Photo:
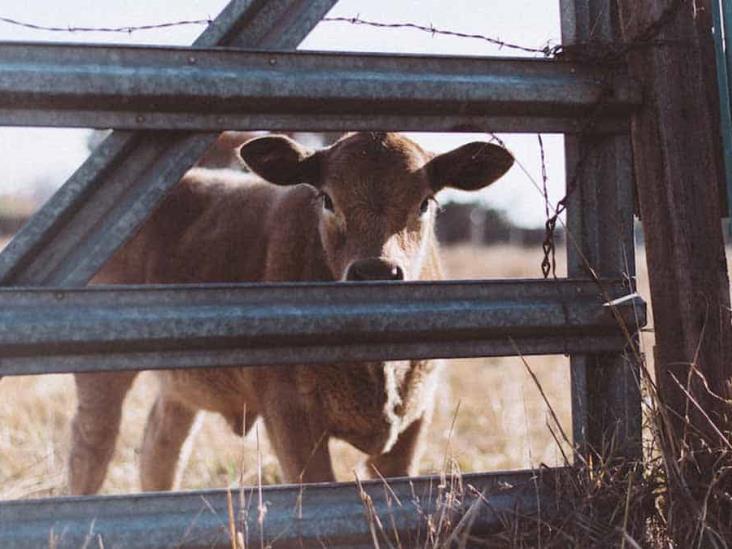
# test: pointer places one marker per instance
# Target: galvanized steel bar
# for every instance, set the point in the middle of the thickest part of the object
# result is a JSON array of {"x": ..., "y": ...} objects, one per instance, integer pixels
[
  {"x": 316, "y": 515},
  {"x": 605, "y": 386},
  {"x": 265, "y": 24},
  {"x": 135, "y": 87},
  {"x": 113, "y": 192},
  {"x": 146, "y": 327}
]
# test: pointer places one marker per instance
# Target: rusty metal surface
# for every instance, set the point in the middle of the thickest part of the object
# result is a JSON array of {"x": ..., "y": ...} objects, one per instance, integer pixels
[
  {"x": 318, "y": 515},
  {"x": 141, "y": 327}
]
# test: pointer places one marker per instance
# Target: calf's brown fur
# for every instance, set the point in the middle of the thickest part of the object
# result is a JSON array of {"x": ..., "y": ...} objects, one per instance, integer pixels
[{"x": 358, "y": 210}]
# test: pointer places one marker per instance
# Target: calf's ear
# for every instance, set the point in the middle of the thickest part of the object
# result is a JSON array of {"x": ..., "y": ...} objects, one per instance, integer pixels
[
  {"x": 470, "y": 167},
  {"x": 280, "y": 160}
]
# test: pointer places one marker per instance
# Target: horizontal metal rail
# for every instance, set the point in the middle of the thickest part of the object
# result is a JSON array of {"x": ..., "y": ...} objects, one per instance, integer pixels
[
  {"x": 195, "y": 89},
  {"x": 146, "y": 327},
  {"x": 319, "y": 515}
]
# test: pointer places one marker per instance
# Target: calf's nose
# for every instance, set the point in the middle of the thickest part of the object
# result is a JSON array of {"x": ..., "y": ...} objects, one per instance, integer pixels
[{"x": 374, "y": 269}]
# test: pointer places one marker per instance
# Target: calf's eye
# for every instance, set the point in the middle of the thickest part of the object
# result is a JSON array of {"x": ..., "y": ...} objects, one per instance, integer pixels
[
  {"x": 327, "y": 202},
  {"x": 424, "y": 206}
]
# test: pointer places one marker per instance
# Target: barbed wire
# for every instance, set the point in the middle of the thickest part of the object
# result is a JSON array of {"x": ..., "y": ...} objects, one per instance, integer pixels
[
  {"x": 544, "y": 176},
  {"x": 547, "y": 51},
  {"x": 593, "y": 51},
  {"x": 588, "y": 51},
  {"x": 549, "y": 262},
  {"x": 128, "y": 29}
]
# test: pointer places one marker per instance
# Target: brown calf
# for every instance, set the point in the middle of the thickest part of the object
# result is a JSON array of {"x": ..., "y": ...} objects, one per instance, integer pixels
[{"x": 361, "y": 209}]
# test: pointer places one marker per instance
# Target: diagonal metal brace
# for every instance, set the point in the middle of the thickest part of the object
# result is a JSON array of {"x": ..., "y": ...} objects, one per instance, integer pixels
[{"x": 107, "y": 199}]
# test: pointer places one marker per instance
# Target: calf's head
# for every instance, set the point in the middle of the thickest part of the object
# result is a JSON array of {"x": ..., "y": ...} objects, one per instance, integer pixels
[{"x": 375, "y": 194}]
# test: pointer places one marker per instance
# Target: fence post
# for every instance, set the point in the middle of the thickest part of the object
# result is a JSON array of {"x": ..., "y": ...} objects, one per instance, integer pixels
[
  {"x": 675, "y": 143},
  {"x": 606, "y": 411},
  {"x": 675, "y": 137}
]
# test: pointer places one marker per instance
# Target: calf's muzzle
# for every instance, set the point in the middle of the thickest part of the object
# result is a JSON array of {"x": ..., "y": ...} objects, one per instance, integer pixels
[{"x": 374, "y": 269}]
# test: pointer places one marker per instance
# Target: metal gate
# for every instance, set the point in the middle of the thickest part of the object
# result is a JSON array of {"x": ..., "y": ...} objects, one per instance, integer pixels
[{"x": 49, "y": 323}]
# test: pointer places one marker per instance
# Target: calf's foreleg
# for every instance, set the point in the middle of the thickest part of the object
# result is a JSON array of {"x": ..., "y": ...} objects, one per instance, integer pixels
[
  {"x": 402, "y": 460},
  {"x": 298, "y": 437},
  {"x": 166, "y": 430},
  {"x": 95, "y": 427}
]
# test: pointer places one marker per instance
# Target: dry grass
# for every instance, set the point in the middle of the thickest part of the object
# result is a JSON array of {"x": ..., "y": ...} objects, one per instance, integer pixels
[{"x": 500, "y": 424}]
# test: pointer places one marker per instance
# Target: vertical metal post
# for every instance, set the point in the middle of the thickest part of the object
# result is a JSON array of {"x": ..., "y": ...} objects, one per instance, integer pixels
[{"x": 606, "y": 411}]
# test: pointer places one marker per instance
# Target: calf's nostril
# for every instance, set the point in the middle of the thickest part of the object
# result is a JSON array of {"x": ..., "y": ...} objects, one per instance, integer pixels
[
  {"x": 374, "y": 269},
  {"x": 353, "y": 273}
]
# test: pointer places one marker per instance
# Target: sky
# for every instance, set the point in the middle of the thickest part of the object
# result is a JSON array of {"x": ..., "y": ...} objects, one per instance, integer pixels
[{"x": 33, "y": 155}]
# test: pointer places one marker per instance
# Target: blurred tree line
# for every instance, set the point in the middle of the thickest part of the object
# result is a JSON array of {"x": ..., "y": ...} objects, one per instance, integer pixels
[{"x": 459, "y": 222}]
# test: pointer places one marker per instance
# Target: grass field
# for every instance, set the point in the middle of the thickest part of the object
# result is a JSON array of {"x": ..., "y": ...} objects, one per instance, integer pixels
[{"x": 490, "y": 415}]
